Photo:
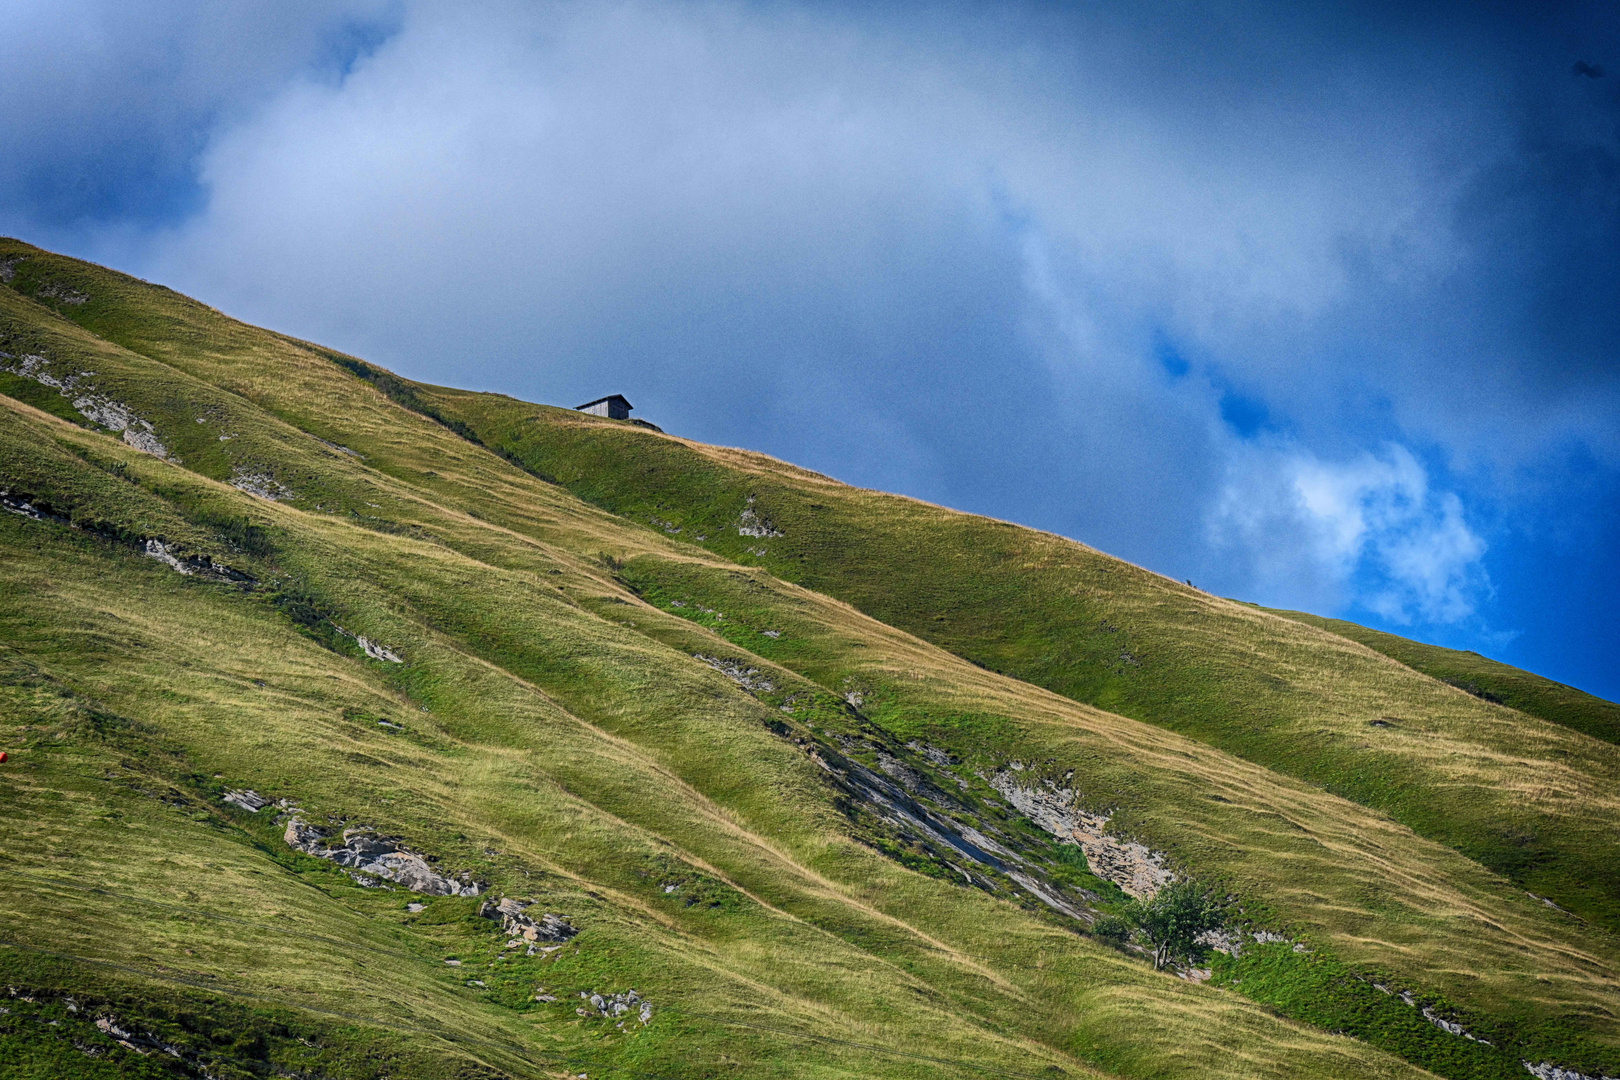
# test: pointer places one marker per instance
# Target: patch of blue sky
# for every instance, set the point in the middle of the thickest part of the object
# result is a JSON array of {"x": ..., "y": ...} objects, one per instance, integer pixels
[
  {"x": 1245, "y": 415},
  {"x": 1169, "y": 356}
]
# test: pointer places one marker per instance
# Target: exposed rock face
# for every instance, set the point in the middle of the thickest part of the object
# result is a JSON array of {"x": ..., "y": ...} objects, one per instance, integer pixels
[
  {"x": 262, "y": 485},
  {"x": 1222, "y": 940},
  {"x": 900, "y": 797},
  {"x": 21, "y": 504},
  {"x": 371, "y": 648},
  {"x": 1452, "y": 1026},
  {"x": 749, "y": 678},
  {"x": 97, "y": 408},
  {"x": 363, "y": 850},
  {"x": 116, "y": 416},
  {"x": 377, "y": 651},
  {"x": 201, "y": 565},
  {"x": 1548, "y": 1071},
  {"x": 750, "y": 523},
  {"x": 65, "y": 293},
  {"x": 142, "y": 1042},
  {"x": 247, "y": 799},
  {"x": 1133, "y": 867},
  {"x": 515, "y": 921},
  {"x": 154, "y": 547},
  {"x": 157, "y": 549}
]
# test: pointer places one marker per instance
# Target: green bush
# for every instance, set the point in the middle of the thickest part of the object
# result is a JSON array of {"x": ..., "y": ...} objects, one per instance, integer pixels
[{"x": 1174, "y": 918}]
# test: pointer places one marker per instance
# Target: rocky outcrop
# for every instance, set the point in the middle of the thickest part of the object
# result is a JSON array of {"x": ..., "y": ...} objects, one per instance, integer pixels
[
  {"x": 1452, "y": 1026},
  {"x": 23, "y": 505},
  {"x": 371, "y": 648},
  {"x": 130, "y": 1039},
  {"x": 515, "y": 920},
  {"x": 153, "y": 547},
  {"x": 923, "y": 812},
  {"x": 246, "y": 799},
  {"x": 99, "y": 409},
  {"x": 751, "y": 523},
  {"x": 613, "y": 1006},
  {"x": 262, "y": 485},
  {"x": 1428, "y": 1011},
  {"x": 361, "y": 849},
  {"x": 67, "y": 294},
  {"x": 749, "y": 678},
  {"x": 123, "y": 1032},
  {"x": 200, "y": 565},
  {"x": 1136, "y": 869},
  {"x": 1548, "y": 1071}
]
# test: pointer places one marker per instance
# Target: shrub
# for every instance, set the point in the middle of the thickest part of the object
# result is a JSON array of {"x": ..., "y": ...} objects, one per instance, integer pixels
[{"x": 1174, "y": 918}]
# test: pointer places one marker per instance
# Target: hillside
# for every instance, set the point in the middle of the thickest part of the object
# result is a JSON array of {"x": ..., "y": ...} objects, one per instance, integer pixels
[
  {"x": 1522, "y": 798},
  {"x": 807, "y": 780},
  {"x": 1486, "y": 678}
]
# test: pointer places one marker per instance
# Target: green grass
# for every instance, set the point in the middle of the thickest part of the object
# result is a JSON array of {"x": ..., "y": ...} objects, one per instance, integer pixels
[
  {"x": 119, "y": 661},
  {"x": 551, "y": 732},
  {"x": 1486, "y": 679},
  {"x": 1532, "y": 801},
  {"x": 1329, "y": 994}
]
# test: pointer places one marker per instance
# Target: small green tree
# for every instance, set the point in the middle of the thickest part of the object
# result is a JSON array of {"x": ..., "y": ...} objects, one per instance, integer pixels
[{"x": 1174, "y": 918}]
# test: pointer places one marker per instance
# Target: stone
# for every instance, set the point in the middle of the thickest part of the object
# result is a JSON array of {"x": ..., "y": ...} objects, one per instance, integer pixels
[
  {"x": 363, "y": 850},
  {"x": 247, "y": 799},
  {"x": 514, "y": 919},
  {"x": 613, "y": 1006}
]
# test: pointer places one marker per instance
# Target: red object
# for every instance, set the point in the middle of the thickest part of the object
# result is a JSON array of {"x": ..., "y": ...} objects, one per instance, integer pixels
[{"x": 2, "y": 757}]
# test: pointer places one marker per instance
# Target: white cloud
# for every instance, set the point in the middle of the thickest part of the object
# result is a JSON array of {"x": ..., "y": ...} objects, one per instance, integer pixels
[
  {"x": 1368, "y": 530},
  {"x": 762, "y": 219},
  {"x": 116, "y": 101},
  {"x": 926, "y": 251}
]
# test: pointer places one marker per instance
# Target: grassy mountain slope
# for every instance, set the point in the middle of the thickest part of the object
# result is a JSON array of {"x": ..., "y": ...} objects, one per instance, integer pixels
[
  {"x": 1534, "y": 801},
  {"x": 1485, "y": 678},
  {"x": 557, "y": 727}
]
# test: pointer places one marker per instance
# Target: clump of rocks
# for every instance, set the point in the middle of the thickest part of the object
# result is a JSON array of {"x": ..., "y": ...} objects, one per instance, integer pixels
[
  {"x": 749, "y": 678},
  {"x": 513, "y": 916},
  {"x": 140, "y": 1042},
  {"x": 614, "y": 1006},
  {"x": 360, "y": 848},
  {"x": 1548, "y": 1071},
  {"x": 246, "y": 799}
]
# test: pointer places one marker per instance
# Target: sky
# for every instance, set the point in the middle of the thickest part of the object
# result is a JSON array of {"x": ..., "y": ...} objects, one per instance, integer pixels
[{"x": 1313, "y": 305}]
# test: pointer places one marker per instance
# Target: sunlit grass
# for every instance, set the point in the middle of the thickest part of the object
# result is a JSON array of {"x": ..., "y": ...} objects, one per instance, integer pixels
[{"x": 556, "y": 737}]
